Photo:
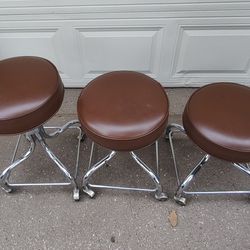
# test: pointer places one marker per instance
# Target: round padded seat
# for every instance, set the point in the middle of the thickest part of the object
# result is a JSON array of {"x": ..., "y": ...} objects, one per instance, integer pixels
[
  {"x": 123, "y": 110},
  {"x": 217, "y": 119},
  {"x": 31, "y": 91}
]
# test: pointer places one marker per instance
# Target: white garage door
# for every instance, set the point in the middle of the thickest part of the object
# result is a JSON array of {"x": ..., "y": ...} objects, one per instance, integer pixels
[{"x": 178, "y": 42}]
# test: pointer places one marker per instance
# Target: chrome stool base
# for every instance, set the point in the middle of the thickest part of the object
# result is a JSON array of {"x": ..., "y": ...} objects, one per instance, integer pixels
[
  {"x": 39, "y": 135},
  {"x": 159, "y": 194},
  {"x": 182, "y": 186}
]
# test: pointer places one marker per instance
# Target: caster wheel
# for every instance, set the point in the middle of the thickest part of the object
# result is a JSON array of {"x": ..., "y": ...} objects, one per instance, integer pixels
[
  {"x": 180, "y": 200},
  {"x": 76, "y": 194},
  {"x": 6, "y": 187},
  {"x": 7, "y": 190},
  {"x": 89, "y": 192},
  {"x": 161, "y": 196}
]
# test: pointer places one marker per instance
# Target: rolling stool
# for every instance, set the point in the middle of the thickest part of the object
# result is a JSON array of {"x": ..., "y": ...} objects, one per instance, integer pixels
[
  {"x": 123, "y": 111},
  {"x": 31, "y": 92},
  {"x": 217, "y": 119}
]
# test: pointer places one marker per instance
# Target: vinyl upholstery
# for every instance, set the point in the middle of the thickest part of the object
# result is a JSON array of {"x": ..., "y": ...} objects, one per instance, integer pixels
[
  {"x": 217, "y": 119},
  {"x": 123, "y": 110},
  {"x": 31, "y": 91}
]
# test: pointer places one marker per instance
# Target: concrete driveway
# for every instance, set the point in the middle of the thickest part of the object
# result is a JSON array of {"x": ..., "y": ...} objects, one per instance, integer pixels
[{"x": 48, "y": 218}]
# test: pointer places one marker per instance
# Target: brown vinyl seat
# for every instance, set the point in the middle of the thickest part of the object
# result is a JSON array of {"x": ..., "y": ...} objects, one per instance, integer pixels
[
  {"x": 123, "y": 110},
  {"x": 31, "y": 92},
  {"x": 217, "y": 119}
]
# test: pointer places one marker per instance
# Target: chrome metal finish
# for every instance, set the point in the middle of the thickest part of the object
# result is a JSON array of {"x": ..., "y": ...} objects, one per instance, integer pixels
[
  {"x": 88, "y": 191},
  {"x": 16, "y": 148},
  {"x": 175, "y": 128},
  {"x": 91, "y": 171},
  {"x": 170, "y": 130},
  {"x": 122, "y": 188},
  {"x": 38, "y": 135},
  {"x": 159, "y": 194},
  {"x": 180, "y": 200},
  {"x": 4, "y": 177},
  {"x": 182, "y": 186},
  {"x": 217, "y": 192},
  {"x": 80, "y": 136},
  {"x": 91, "y": 154},
  {"x": 157, "y": 158},
  {"x": 39, "y": 184},
  {"x": 76, "y": 194},
  {"x": 58, "y": 163},
  {"x": 241, "y": 167},
  {"x": 59, "y": 130}
]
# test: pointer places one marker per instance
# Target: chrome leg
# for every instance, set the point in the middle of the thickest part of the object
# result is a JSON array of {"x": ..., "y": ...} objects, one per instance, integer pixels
[
  {"x": 39, "y": 135},
  {"x": 171, "y": 129},
  {"x": 15, "y": 150},
  {"x": 157, "y": 158},
  {"x": 92, "y": 170},
  {"x": 14, "y": 155},
  {"x": 184, "y": 185},
  {"x": 59, "y": 130},
  {"x": 6, "y": 173},
  {"x": 174, "y": 158},
  {"x": 242, "y": 167},
  {"x": 174, "y": 127},
  {"x": 61, "y": 166},
  {"x": 80, "y": 138},
  {"x": 159, "y": 194},
  {"x": 91, "y": 154}
]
